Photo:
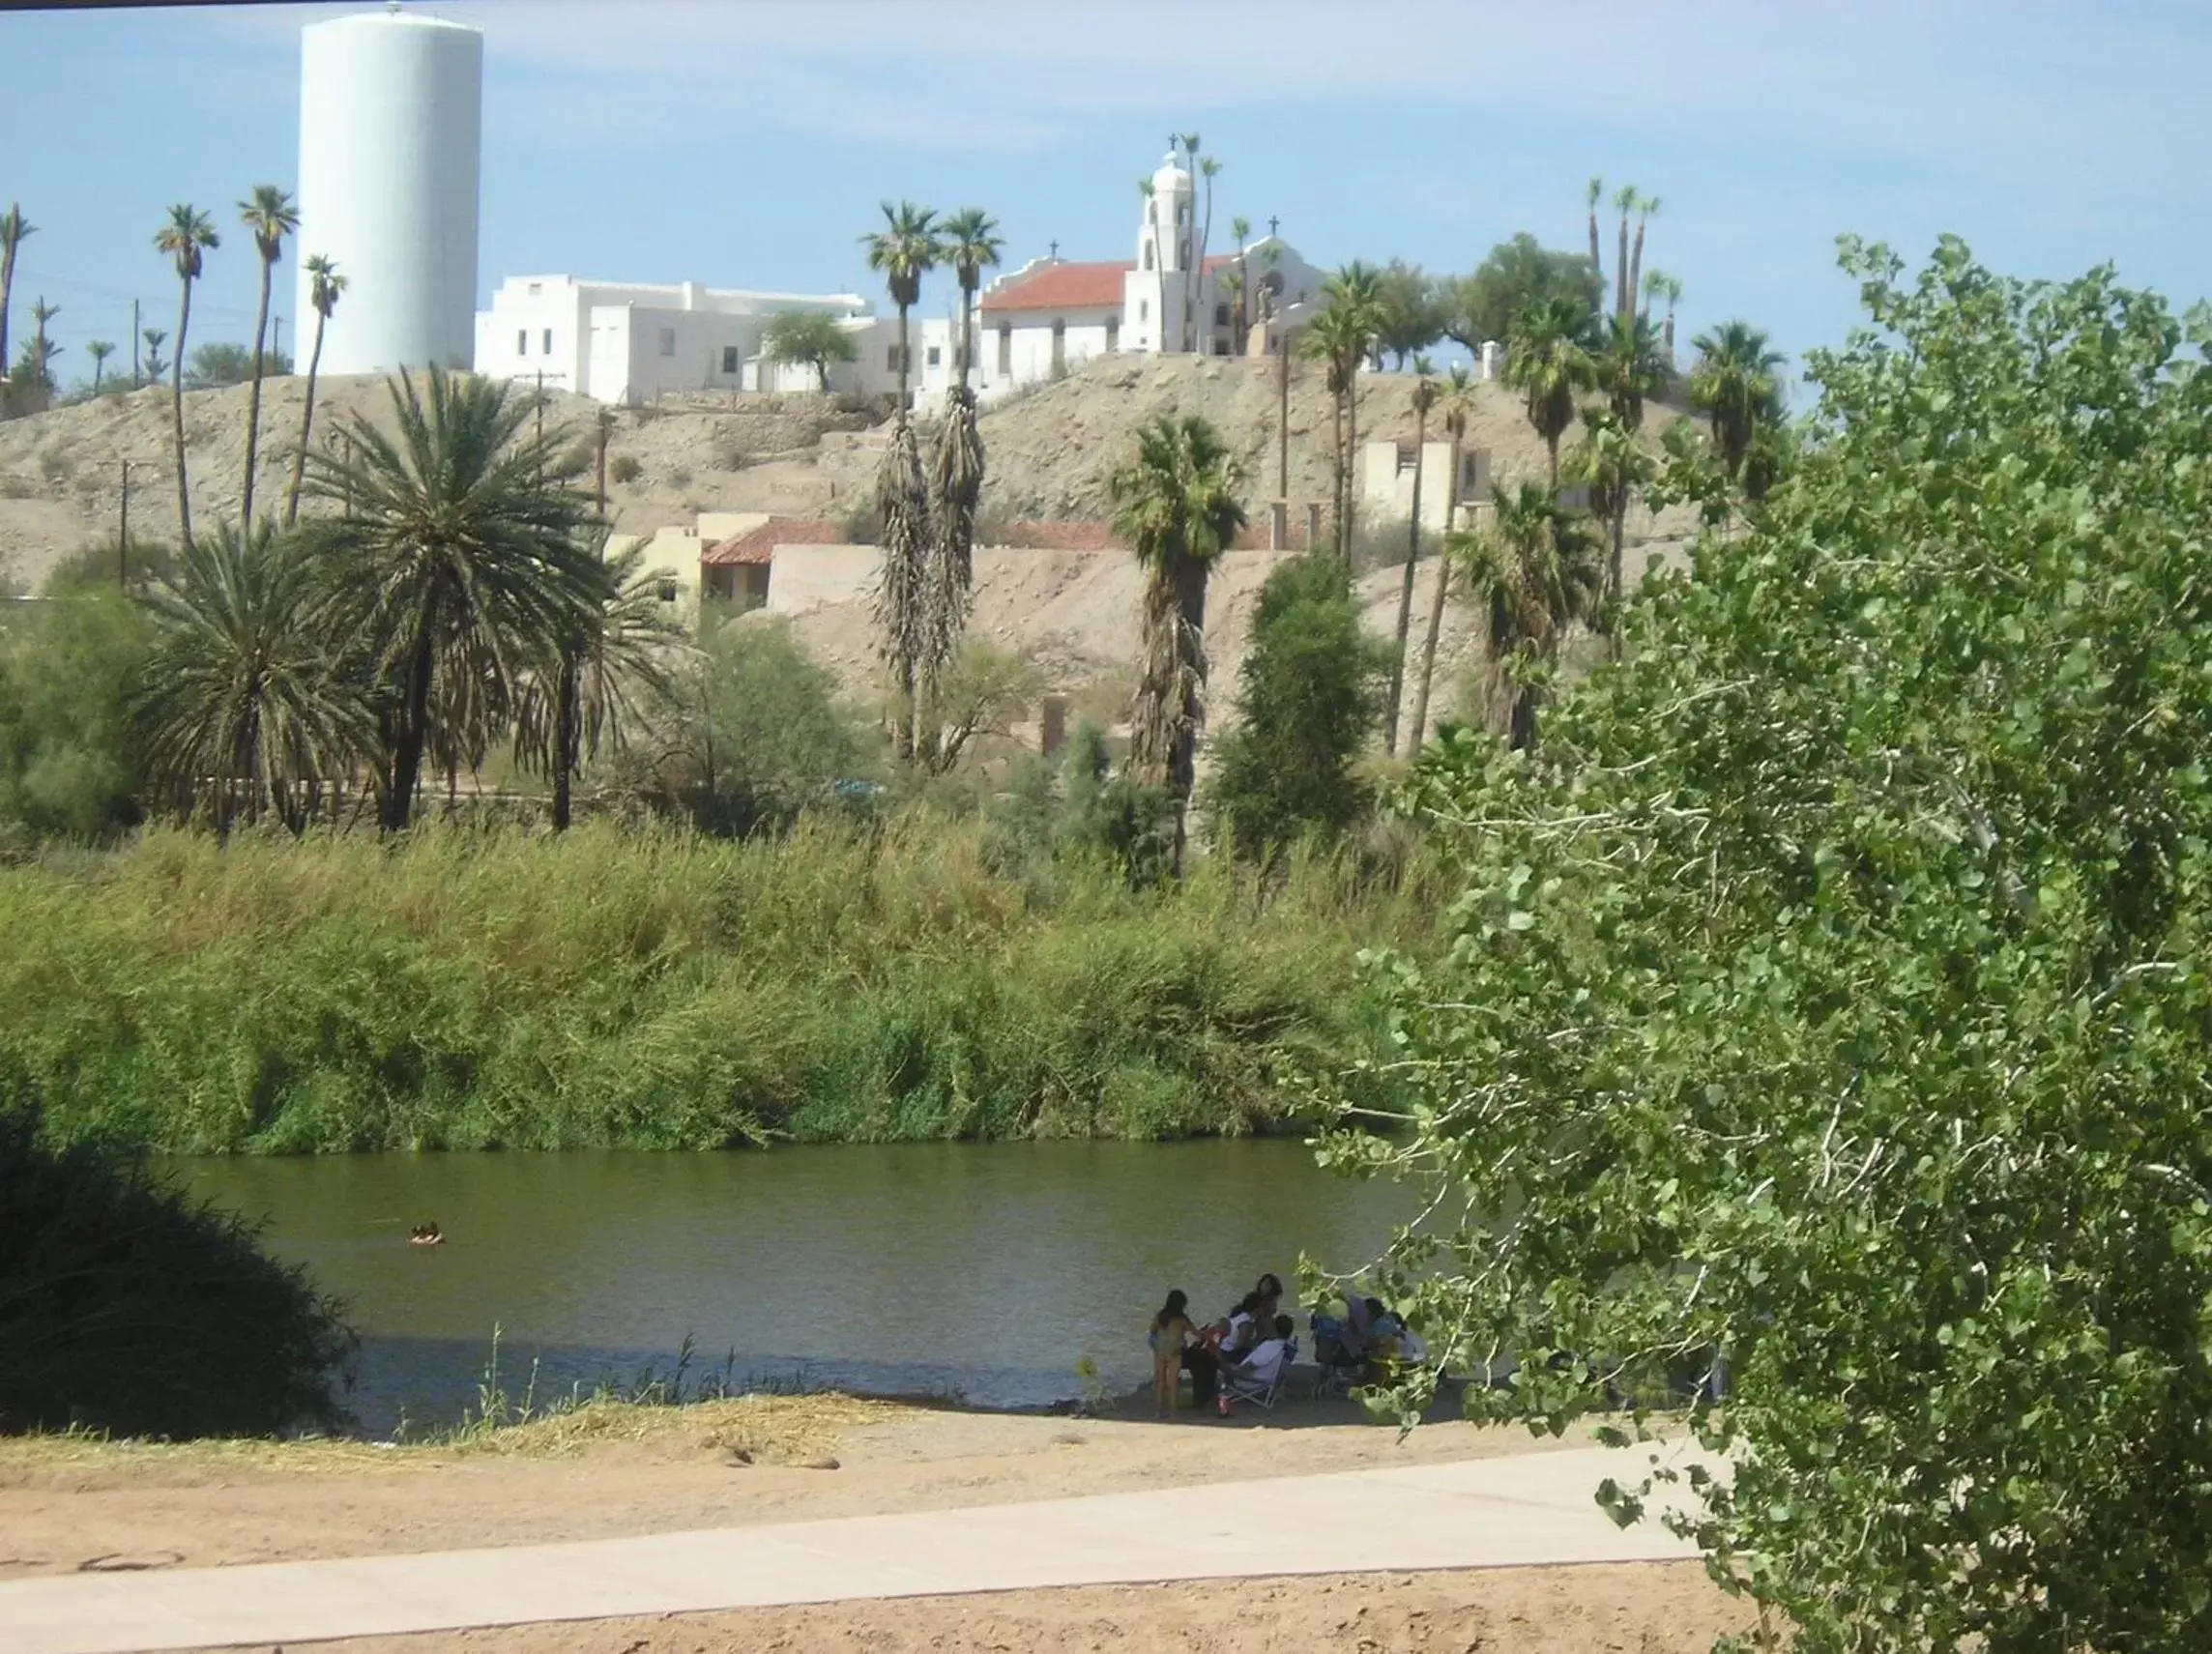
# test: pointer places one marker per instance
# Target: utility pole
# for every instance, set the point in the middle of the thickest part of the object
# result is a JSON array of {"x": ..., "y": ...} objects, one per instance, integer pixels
[
  {"x": 123, "y": 527},
  {"x": 606, "y": 424},
  {"x": 133, "y": 344},
  {"x": 276, "y": 336}
]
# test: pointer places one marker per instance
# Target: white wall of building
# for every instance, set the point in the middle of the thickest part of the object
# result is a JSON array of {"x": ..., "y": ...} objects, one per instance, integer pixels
[
  {"x": 1386, "y": 481},
  {"x": 391, "y": 129},
  {"x": 626, "y": 342}
]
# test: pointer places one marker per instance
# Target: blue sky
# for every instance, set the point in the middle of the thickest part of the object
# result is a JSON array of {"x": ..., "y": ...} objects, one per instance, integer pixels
[{"x": 748, "y": 144}]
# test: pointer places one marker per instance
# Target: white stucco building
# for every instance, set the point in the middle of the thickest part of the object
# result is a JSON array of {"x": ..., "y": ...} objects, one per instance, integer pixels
[{"x": 628, "y": 342}]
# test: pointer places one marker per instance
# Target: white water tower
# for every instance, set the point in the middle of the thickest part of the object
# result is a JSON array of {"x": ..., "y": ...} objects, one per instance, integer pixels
[{"x": 391, "y": 131}]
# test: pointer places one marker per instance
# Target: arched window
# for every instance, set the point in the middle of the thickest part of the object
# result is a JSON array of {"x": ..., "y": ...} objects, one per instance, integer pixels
[{"x": 1273, "y": 281}]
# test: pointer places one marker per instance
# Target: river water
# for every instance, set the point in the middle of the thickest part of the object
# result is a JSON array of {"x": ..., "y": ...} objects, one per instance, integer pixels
[{"x": 984, "y": 1272}]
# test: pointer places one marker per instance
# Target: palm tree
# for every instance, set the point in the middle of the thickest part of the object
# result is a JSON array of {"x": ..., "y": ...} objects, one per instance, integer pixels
[
  {"x": 154, "y": 365},
  {"x": 904, "y": 250},
  {"x": 1624, "y": 200},
  {"x": 1537, "y": 570},
  {"x": 1240, "y": 230},
  {"x": 1424, "y": 399},
  {"x": 1612, "y": 464},
  {"x": 601, "y": 680},
  {"x": 1175, "y": 502},
  {"x": 1333, "y": 340},
  {"x": 1457, "y": 404},
  {"x": 1735, "y": 387},
  {"x": 13, "y": 227},
  {"x": 1208, "y": 169},
  {"x": 1628, "y": 368},
  {"x": 969, "y": 242},
  {"x": 1647, "y": 209},
  {"x": 1592, "y": 198},
  {"x": 1353, "y": 293},
  {"x": 463, "y": 560},
  {"x": 99, "y": 350},
  {"x": 42, "y": 351},
  {"x": 1547, "y": 362},
  {"x": 324, "y": 286},
  {"x": 242, "y": 705},
  {"x": 270, "y": 214},
  {"x": 186, "y": 238},
  {"x": 1658, "y": 285}
]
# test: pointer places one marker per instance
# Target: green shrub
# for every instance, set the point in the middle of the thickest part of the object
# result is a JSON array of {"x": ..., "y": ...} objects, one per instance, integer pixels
[
  {"x": 625, "y": 468},
  {"x": 125, "y": 1308}
]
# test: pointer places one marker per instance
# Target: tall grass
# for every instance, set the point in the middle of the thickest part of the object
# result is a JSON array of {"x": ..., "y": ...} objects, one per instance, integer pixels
[{"x": 479, "y": 989}]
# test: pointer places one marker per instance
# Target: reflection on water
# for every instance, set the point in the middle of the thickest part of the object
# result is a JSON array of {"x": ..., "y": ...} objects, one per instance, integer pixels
[{"x": 981, "y": 1272}]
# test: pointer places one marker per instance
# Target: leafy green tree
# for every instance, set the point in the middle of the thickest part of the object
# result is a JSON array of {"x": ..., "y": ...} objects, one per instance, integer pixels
[
  {"x": 69, "y": 764},
  {"x": 220, "y": 363},
  {"x": 1516, "y": 276},
  {"x": 187, "y": 237},
  {"x": 462, "y": 560},
  {"x": 605, "y": 678},
  {"x": 1535, "y": 569},
  {"x": 245, "y": 702},
  {"x": 1735, "y": 385},
  {"x": 1175, "y": 503},
  {"x": 1548, "y": 363},
  {"x": 809, "y": 338},
  {"x": 1312, "y": 686},
  {"x": 324, "y": 285},
  {"x": 1410, "y": 313},
  {"x": 13, "y": 229},
  {"x": 1832, "y": 993},
  {"x": 271, "y": 214}
]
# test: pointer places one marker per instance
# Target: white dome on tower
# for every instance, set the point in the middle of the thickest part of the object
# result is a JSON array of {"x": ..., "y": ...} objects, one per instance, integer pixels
[{"x": 1171, "y": 176}]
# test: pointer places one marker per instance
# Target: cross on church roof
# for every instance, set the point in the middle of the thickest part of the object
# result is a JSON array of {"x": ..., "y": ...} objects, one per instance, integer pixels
[
  {"x": 1055, "y": 246},
  {"x": 1273, "y": 221}
]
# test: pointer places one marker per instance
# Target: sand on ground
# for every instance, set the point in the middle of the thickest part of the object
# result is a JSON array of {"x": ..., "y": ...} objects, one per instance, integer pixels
[{"x": 67, "y": 1505}]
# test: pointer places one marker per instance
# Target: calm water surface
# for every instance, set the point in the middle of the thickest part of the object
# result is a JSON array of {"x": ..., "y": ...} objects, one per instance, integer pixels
[{"x": 982, "y": 1272}]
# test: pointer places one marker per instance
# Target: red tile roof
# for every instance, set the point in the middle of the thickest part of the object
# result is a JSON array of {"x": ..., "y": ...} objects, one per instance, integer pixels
[
  {"x": 1068, "y": 286},
  {"x": 758, "y": 547}
]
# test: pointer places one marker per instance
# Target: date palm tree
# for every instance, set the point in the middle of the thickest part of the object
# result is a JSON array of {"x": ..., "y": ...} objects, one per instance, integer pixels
[
  {"x": 970, "y": 245},
  {"x": 1592, "y": 196},
  {"x": 271, "y": 214},
  {"x": 1537, "y": 570},
  {"x": 1627, "y": 367},
  {"x": 1455, "y": 404},
  {"x": 1624, "y": 201},
  {"x": 1735, "y": 385},
  {"x": 243, "y": 704},
  {"x": 1424, "y": 399},
  {"x": 1354, "y": 296},
  {"x": 600, "y": 681},
  {"x": 1175, "y": 503},
  {"x": 1659, "y": 286},
  {"x": 903, "y": 251},
  {"x": 14, "y": 228},
  {"x": 99, "y": 350},
  {"x": 1547, "y": 362},
  {"x": 969, "y": 242},
  {"x": 1647, "y": 209},
  {"x": 463, "y": 559},
  {"x": 324, "y": 287},
  {"x": 1333, "y": 338},
  {"x": 187, "y": 237},
  {"x": 1240, "y": 231}
]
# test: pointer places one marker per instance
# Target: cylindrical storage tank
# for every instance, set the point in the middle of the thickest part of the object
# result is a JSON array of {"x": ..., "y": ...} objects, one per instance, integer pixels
[{"x": 391, "y": 129}]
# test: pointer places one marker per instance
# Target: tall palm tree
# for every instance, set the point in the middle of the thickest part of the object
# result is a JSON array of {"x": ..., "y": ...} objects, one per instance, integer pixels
[
  {"x": 1647, "y": 209},
  {"x": 13, "y": 227},
  {"x": 242, "y": 705},
  {"x": 324, "y": 287},
  {"x": 463, "y": 558},
  {"x": 1175, "y": 502},
  {"x": 1614, "y": 466},
  {"x": 1335, "y": 339},
  {"x": 970, "y": 245},
  {"x": 601, "y": 680},
  {"x": 99, "y": 350},
  {"x": 1590, "y": 198},
  {"x": 271, "y": 214},
  {"x": 1240, "y": 230},
  {"x": 969, "y": 242},
  {"x": 1202, "y": 320},
  {"x": 1456, "y": 405},
  {"x": 1547, "y": 362},
  {"x": 187, "y": 237},
  {"x": 1624, "y": 200},
  {"x": 1627, "y": 367},
  {"x": 1354, "y": 293},
  {"x": 902, "y": 250},
  {"x": 1424, "y": 399},
  {"x": 1659, "y": 286},
  {"x": 1536, "y": 570},
  {"x": 1735, "y": 387}
]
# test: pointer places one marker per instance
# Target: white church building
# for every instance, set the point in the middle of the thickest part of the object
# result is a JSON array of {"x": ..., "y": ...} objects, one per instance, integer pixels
[{"x": 628, "y": 343}]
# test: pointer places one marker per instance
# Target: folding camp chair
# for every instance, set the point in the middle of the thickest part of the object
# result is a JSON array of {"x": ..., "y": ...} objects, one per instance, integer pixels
[{"x": 1239, "y": 1385}]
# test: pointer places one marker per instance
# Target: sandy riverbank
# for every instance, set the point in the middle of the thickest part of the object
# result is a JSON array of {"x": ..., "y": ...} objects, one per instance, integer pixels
[{"x": 67, "y": 1505}]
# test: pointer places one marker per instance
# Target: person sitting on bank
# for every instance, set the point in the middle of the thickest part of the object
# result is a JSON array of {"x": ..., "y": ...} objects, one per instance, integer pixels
[
  {"x": 1173, "y": 1340},
  {"x": 1241, "y": 1329},
  {"x": 1262, "y": 1363}
]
